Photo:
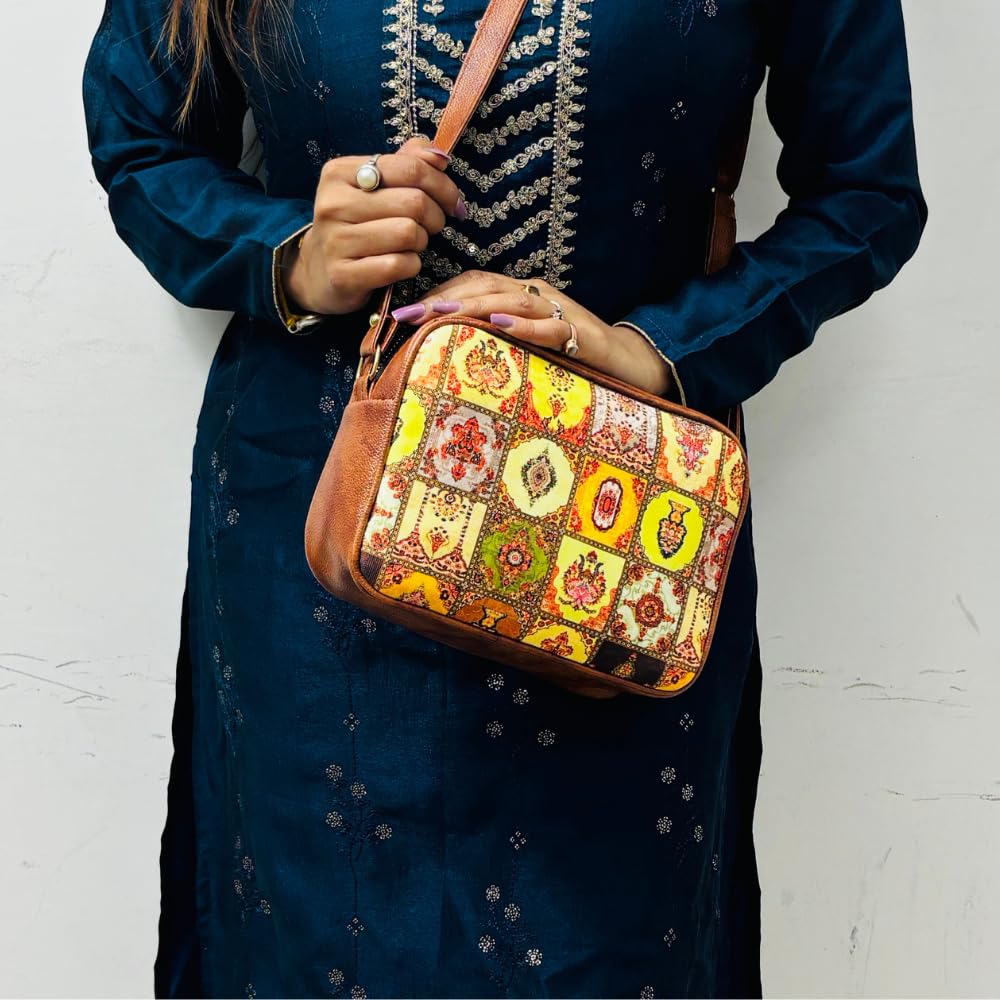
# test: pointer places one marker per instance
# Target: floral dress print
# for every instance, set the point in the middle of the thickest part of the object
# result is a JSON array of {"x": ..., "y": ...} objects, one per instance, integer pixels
[{"x": 354, "y": 810}]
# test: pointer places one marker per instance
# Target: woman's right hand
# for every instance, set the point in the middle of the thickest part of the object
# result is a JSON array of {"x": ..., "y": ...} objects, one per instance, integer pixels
[{"x": 363, "y": 240}]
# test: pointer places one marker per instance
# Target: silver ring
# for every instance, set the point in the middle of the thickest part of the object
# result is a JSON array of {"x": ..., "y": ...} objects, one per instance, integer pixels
[
  {"x": 557, "y": 312},
  {"x": 572, "y": 346},
  {"x": 368, "y": 176}
]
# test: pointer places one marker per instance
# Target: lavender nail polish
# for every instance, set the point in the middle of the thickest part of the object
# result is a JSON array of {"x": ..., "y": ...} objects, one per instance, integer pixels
[
  {"x": 409, "y": 314},
  {"x": 446, "y": 307},
  {"x": 461, "y": 212},
  {"x": 440, "y": 152},
  {"x": 502, "y": 320}
]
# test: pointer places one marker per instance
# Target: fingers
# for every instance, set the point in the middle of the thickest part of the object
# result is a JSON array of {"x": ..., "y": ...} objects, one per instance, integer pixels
[
  {"x": 550, "y": 333},
  {"x": 354, "y": 279},
  {"x": 482, "y": 306},
  {"x": 374, "y": 272},
  {"x": 379, "y": 236},
  {"x": 398, "y": 170},
  {"x": 421, "y": 147},
  {"x": 342, "y": 203},
  {"x": 483, "y": 294},
  {"x": 473, "y": 284}
]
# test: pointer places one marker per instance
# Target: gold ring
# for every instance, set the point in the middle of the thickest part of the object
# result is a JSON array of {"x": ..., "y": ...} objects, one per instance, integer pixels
[
  {"x": 557, "y": 312},
  {"x": 572, "y": 346},
  {"x": 531, "y": 289},
  {"x": 368, "y": 176}
]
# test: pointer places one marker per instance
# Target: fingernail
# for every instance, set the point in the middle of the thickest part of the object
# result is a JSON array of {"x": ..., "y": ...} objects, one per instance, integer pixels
[
  {"x": 446, "y": 307},
  {"x": 409, "y": 314},
  {"x": 461, "y": 212},
  {"x": 440, "y": 152},
  {"x": 502, "y": 320}
]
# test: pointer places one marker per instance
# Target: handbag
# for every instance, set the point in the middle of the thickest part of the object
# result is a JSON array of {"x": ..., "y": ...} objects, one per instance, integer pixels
[{"x": 516, "y": 504}]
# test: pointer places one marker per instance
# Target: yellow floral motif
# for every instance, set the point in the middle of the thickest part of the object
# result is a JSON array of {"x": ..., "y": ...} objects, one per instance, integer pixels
[
  {"x": 671, "y": 530},
  {"x": 733, "y": 480},
  {"x": 485, "y": 370},
  {"x": 409, "y": 428},
  {"x": 420, "y": 589},
  {"x": 561, "y": 640},
  {"x": 429, "y": 362},
  {"x": 538, "y": 477},
  {"x": 583, "y": 585},
  {"x": 675, "y": 678},
  {"x": 689, "y": 645},
  {"x": 689, "y": 454},
  {"x": 439, "y": 528},
  {"x": 606, "y": 506},
  {"x": 558, "y": 401}
]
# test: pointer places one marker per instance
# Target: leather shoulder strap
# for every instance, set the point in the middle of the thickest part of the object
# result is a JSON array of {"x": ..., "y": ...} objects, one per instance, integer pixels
[
  {"x": 722, "y": 224},
  {"x": 488, "y": 45}
]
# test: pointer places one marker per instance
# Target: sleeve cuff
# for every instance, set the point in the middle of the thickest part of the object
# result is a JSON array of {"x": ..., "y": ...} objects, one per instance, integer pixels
[
  {"x": 293, "y": 322},
  {"x": 676, "y": 385}
]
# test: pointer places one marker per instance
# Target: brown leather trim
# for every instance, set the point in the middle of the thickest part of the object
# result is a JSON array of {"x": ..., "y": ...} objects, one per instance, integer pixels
[
  {"x": 722, "y": 221},
  {"x": 345, "y": 496}
]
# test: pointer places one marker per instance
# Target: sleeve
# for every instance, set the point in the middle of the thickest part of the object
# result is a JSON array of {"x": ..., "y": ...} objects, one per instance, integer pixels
[
  {"x": 206, "y": 230},
  {"x": 838, "y": 95}
]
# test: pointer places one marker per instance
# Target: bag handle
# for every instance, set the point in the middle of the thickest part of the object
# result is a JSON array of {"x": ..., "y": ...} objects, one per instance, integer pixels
[
  {"x": 722, "y": 225},
  {"x": 487, "y": 48}
]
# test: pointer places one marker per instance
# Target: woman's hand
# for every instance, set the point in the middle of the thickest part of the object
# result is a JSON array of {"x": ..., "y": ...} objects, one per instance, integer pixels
[
  {"x": 507, "y": 303},
  {"x": 363, "y": 240}
]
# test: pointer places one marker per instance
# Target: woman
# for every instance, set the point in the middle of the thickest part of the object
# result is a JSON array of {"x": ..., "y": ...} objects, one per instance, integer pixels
[{"x": 354, "y": 810}]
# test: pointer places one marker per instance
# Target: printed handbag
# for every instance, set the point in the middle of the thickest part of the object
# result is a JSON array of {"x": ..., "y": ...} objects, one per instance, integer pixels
[{"x": 514, "y": 503}]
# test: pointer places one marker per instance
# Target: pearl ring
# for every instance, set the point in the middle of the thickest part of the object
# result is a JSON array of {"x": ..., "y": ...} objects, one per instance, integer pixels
[{"x": 369, "y": 177}]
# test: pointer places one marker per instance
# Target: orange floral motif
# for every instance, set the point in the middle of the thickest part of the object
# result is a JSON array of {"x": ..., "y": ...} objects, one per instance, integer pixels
[
  {"x": 695, "y": 441},
  {"x": 558, "y": 644},
  {"x": 465, "y": 447},
  {"x": 486, "y": 369}
]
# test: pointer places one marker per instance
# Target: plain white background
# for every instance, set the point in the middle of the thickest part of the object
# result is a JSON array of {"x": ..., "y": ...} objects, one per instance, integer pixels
[{"x": 878, "y": 828}]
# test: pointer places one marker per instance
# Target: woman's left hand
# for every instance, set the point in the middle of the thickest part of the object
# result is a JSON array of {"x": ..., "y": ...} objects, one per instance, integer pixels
[{"x": 507, "y": 303}]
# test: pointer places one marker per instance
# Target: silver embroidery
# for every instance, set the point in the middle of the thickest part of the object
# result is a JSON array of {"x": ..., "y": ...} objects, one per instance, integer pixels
[
  {"x": 520, "y": 198},
  {"x": 506, "y": 169},
  {"x": 482, "y": 256},
  {"x": 525, "y": 121},
  {"x": 515, "y": 88},
  {"x": 569, "y": 109}
]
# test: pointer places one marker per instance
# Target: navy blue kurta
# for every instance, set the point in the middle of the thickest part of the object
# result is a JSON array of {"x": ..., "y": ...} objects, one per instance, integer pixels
[{"x": 354, "y": 810}]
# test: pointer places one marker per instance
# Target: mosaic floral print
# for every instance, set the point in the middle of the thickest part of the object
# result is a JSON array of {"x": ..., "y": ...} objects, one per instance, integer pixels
[{"x": 522, "y": 499}]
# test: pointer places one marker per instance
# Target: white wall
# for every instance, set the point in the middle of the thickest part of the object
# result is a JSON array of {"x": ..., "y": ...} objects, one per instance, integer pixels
[{"x": 879, "y": 821}]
